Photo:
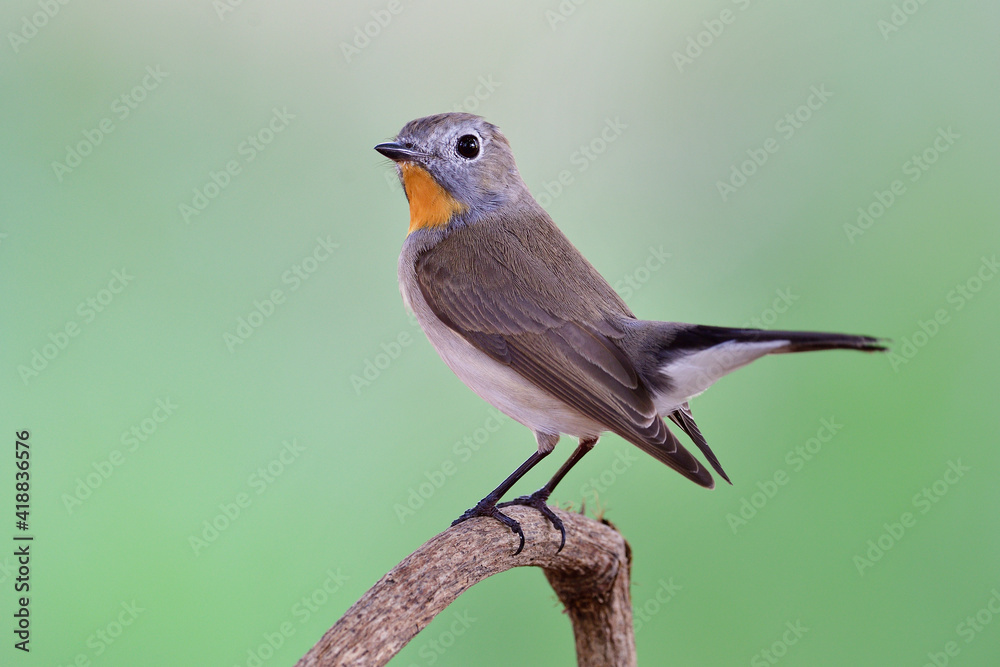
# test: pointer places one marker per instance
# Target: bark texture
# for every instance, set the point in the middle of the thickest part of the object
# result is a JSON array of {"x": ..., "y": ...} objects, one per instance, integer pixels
[{"x": 590, "y": 576}]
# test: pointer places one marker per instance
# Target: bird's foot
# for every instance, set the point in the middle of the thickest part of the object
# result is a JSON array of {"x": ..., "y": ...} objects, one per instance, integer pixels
[
  {"x": 488, "y": 508},
  {"x": 537, "y": 500}
]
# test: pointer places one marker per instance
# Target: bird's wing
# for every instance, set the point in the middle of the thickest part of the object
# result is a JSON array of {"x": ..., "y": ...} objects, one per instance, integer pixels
[
  {"x": 552, "y": 324},
  {"x": 683, "y": 418}
]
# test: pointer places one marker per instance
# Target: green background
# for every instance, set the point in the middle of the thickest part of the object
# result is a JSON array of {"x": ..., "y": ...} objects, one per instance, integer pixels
[{"x": 328, "y": 515}]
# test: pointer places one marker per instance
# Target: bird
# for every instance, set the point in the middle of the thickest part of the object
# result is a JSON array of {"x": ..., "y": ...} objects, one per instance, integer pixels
[{"x": 525, "y": 321}]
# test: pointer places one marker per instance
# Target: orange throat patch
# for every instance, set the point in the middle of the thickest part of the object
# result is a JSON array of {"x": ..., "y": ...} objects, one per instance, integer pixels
[{"x": 430, "y": 204}]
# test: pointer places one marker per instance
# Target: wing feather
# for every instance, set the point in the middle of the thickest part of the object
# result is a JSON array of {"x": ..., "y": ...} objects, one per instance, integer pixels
[{"x": 555, "y": 330}]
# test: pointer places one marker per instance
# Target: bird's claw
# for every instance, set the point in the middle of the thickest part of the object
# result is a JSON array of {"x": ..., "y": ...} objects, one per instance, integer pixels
[
  {"x": 490, "y": 509},
  {"x": 537, "y": 500}
]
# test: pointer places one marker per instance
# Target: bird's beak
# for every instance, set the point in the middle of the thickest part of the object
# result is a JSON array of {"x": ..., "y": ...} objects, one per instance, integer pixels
[{"x": 399, "y": 152}]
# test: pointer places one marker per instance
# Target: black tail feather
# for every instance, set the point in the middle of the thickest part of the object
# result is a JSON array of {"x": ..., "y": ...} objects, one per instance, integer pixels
[
  {"x": 701, "y": 336},
  {"x": 685, "y": 420}
]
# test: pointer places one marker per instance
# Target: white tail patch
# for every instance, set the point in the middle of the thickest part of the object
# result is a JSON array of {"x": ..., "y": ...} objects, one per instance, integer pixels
[{"x": 695, "y": 372}]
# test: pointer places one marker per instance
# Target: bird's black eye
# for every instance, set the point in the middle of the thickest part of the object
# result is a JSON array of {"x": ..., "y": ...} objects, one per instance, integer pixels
[{"x": 467, "y": 146}]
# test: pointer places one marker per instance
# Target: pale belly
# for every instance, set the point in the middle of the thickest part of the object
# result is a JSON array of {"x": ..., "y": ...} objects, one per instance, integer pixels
[{"x": 496, "y": 383}]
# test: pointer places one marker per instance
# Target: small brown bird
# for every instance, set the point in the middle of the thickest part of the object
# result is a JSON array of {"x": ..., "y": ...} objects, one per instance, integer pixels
[{"x": 527, "y": 323}]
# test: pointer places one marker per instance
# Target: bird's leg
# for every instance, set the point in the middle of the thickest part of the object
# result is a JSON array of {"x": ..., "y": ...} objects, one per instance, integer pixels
[
  {"x": 538, "y": 498},
  {"x": 488, "y": 505}
]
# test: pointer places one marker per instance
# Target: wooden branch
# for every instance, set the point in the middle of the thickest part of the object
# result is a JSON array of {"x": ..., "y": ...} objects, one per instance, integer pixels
[{"x": 590, "y": 576}]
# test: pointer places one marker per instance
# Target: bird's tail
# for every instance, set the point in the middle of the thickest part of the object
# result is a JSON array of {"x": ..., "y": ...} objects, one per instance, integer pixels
[
  {"x": 696, "y": 337},
  {"x": 679, "y": 361},
  {"x": 688, "y": 358}
]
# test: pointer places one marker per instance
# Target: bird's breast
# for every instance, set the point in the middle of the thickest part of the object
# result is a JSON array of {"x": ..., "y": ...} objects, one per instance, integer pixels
[
  {"x": 496, "y": 383},
  {"x": 430, "y": 204}
]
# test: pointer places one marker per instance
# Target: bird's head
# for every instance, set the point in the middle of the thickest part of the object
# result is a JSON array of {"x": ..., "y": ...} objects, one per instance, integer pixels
[{"x": 454, "y": 167}]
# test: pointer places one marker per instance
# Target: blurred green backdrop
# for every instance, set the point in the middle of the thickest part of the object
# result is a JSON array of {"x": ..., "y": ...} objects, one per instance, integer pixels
[{"x": 229, "y": 408}]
